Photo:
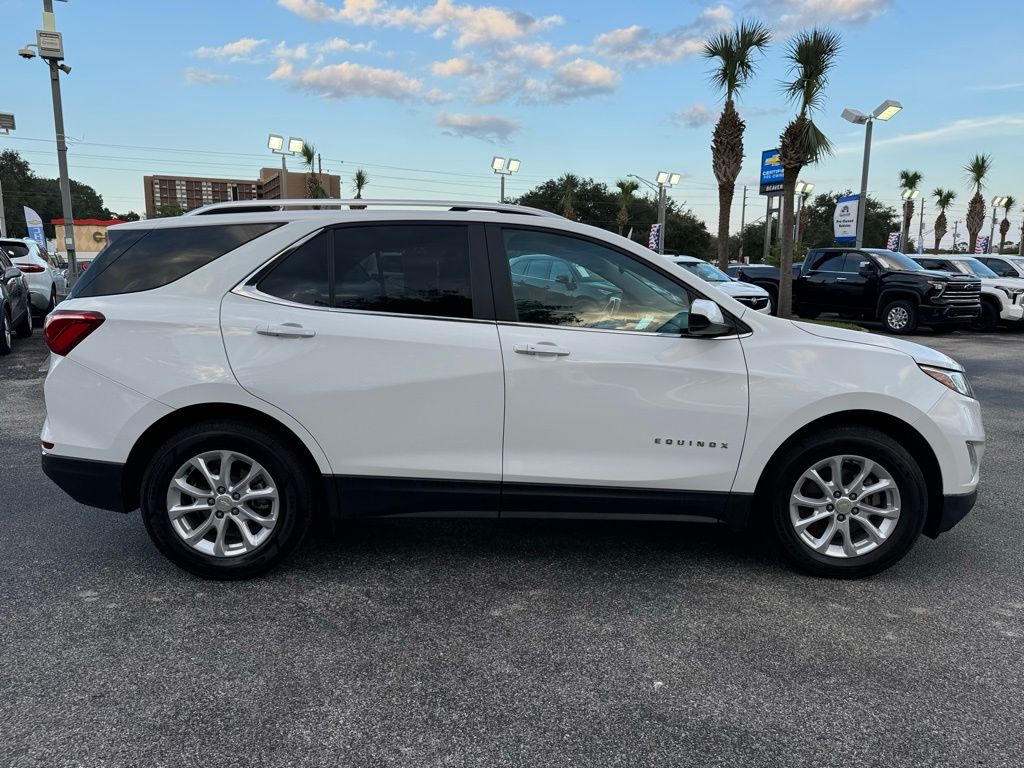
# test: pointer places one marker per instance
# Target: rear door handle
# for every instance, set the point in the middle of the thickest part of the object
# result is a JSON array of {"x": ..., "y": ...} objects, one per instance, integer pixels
[
  {"x": 285, "y": 331},
  {"x": 840, "y": 279},
  {"x": 541, "y": 348}
]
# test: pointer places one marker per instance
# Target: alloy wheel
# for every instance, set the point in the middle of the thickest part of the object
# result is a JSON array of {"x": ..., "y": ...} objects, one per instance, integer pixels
[
  {"x": 223, "y": 503},
  {"x": 898, "y": 318},
  {"x": 845, "y": 506}
]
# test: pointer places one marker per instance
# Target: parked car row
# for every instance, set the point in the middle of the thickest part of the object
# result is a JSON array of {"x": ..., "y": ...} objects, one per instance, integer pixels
[
  {"x": 902, "y": 292},
  {"x": 33, "y": 282}
]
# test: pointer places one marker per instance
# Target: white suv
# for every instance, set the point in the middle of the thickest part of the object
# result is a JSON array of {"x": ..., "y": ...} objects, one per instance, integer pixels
[
  {"x": 46, "y": 281},
  {"x": 247, "y": 371}
]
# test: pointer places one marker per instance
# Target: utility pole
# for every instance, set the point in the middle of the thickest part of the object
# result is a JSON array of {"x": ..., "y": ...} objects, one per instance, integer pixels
[
  {"x": 3, "y": 219},
  {"x": 743, "y": 220},
  {"x": 768, "y": 229},
  {"x": 920, "y": 229},
  {"x": 956, "y": 225}
]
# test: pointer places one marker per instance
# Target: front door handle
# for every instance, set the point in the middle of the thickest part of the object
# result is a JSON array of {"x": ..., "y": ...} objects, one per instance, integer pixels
[
  {"x": 541, "y": 348},
  {"x": 286, "y": 331}
]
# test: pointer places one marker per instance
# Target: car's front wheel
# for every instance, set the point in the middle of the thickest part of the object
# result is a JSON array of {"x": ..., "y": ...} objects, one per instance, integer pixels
[
  {"x": 6, "y": 339},
  {"x": 900, "y": 317},
  {"x": 225, "y": 500},
  {"x": 848, "y": 502}
]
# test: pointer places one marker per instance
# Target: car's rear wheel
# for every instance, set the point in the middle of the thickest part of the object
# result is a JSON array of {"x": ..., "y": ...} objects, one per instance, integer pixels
[
  {"x": 225, "y": 500},
  {"x": 53, "y": 301},
  {"x": 24, "y": 327},
  {"x": 988, "y": 319},
  {"x": 847, "y": 503},
  {"x": 6, "y": 338},
  {"x": 900, "y": 317}
]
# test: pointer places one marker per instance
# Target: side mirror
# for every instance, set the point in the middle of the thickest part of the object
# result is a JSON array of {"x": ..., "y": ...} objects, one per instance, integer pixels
[
  {"x": 707, "y": 320},
  {"x": 12, "y": 273},
  {"x": 565, "y": 280}
]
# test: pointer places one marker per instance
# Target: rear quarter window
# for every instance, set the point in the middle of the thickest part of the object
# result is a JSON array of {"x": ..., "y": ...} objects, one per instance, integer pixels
[{"x": 144, "y": 259}]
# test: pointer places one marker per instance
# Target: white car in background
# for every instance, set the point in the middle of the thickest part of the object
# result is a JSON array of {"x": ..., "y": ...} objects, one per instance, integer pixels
[
  {"x": 1004, "y": 266},
  {"x": 753, "y": 296},
  {"x": 1002, "y": 298},
  {"x": 47, "y": 283}
]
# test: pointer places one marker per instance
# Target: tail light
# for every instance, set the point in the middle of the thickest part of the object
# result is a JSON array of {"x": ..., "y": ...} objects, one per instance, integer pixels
[
  {"x": 30, "y": 269},
  {"x": 65, "y": 329}
]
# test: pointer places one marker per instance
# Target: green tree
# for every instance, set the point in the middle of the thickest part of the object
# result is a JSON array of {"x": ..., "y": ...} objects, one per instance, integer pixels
[
  {"x": 943, "y": 198},
  {"x": 570, "y": 184},
  {"x": 167, "y": 210},
  {"x": 359, "y": 182},
  {"x": 627, "y": 188},
  {"x": 1004, "y": 225},
  {"x": 909, "y": 180},
  {"x": 734, "y": 51},
  {"x": 976, "y": 171},
  {"x": 811, "y": 55},
  {"x": 314, "y": 189}
]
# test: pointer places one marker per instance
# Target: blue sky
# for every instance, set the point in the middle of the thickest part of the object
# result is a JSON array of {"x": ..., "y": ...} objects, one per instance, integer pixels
[{"x": 422, "y": 93}]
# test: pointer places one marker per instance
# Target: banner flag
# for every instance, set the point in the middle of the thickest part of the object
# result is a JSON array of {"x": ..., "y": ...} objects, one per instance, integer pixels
[
  {"x": 35, "y": 226},
  {"x": 655, "y": 238},
  {"x": 893, "y": 243},
  {"x": 981, "y": 244}
]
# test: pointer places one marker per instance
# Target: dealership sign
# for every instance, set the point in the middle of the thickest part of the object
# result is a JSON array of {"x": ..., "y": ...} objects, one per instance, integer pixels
[
  {"x": 771, "y": 172},
  {"x": 844, "y": 220}
]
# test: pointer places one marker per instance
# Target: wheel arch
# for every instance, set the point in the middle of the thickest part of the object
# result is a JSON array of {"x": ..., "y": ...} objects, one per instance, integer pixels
[
  {"x": 162, "y": 428},
  {"x": 895, "y": 427},
  {"x": 889, "y": 295}
]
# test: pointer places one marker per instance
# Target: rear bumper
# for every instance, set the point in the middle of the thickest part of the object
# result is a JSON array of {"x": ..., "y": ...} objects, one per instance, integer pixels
[
  {"x": 93, "y": 483},
  {"x": 954, "y": 509}
]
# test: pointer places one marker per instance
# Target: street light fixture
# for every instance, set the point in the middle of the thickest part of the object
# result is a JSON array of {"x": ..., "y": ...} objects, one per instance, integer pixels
[
  {"x": 997, "y": 202},
  {"x": 504, "y": 168},
  {"x": 664, "y": 180},
  {"x": 275, "y": 143},
  {"x": 884, "y": 112},
  {"x": 49, "y": 45}
]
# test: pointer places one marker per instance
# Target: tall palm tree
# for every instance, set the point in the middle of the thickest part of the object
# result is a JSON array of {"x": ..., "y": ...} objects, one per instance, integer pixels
[
  {"x": 943, "y": 198},
  {"x": 811, "y": 55},
  {"x": 735, "y": 66},
  {"x": 626, "y": 189},
  {"x": 976, "y": 171},
  {"x": 313, "y": 187},
  {"x": 1004, "y": 225},
  {"x": 570, "y": 186},
  {"x": 359, "y": 182},
  {"x": 908, "y": 183}
]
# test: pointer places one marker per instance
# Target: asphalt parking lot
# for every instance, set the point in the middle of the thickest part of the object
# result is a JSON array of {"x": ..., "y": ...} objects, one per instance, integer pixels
[{"x": 499, "y": 643}]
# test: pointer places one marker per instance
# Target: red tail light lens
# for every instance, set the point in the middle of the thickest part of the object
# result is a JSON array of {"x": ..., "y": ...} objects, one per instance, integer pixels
[
  {"x": 29, "y": 268},
  {"x": 65, "y": 329}
]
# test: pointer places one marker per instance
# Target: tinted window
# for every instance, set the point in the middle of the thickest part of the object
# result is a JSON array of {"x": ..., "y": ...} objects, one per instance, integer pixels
[
  {"x": 15, "y": 250},
  {"x": 559, "y": 269},
  {"x": 143, "y": 259},
  {"x": 1000, "y": 267},
  {"x": 539, "y": 268},
  {"x": 4, "y": 261},
  {"x": 302, "y": 276},
  {"x": 897, "y": 262},
  {"x": 855, "y": 262},
  {"x": 412, "y": 269},
  {"x": 934, "y": 264},
  {"x": 829, "y": 262},
  {"x": 519, "y": 266},
  {"x": 610, "y": 290}
]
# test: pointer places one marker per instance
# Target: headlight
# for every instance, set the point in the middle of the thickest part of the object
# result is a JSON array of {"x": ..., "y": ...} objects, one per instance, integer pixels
[
  {"x": 938, "y": 285},
  {"x": 1010, "y": 291},
  {"x": 955, "y": 380}
]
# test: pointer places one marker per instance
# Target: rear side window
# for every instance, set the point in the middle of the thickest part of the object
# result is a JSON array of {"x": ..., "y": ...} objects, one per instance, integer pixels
[
  {"x": 832, "y": 261},
  {"x": 14, "y": 250},
  {"x": 140, "y": 260},
  {"x": 303, "y": 275}
]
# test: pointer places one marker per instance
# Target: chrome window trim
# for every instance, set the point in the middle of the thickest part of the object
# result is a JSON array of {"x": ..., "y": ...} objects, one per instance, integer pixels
[{"x": 626, "y": 333}]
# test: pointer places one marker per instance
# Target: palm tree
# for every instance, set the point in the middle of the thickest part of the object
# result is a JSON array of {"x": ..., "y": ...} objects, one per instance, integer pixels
[
  {"x": 626, "y": 189},
  {"x": 976, "y": 171},
  {"x": 570, "y": 185},
  {"x": 733, "y": 70},
  {"x": 359, "y": 182},
  {"x": 1004, "y": 225},
  {"x": 943, "y": 198},
  {"x": 908, "y": 183},
  {"x": 811, "y": 56},
  {"x": 313, "y": 187}
]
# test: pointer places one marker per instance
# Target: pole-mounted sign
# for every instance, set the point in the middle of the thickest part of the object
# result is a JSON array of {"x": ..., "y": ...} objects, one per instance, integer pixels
[
  {"x": 771, "y": 172},
  {"x": 844, "y": 219}
]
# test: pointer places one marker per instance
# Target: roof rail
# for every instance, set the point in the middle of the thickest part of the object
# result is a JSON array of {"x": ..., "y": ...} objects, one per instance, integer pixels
[{"x": 256, "y": 206}]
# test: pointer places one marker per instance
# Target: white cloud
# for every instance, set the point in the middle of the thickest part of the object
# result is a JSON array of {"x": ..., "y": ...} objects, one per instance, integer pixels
[
  {"x": 282, "y": 51},
  {"x": 577, "y": 79},
  {"x": 456, "y": 66},
  {"x": 345, "y": 80},
  {"x": 973, "y": 127},
  {"x": 640, "y": 46},
  {"x": 999, "y": 87},
  {"x": 486, "y": 127},
  {"x": 338, "y": 44},
  {"x": 695, "y": 116},
  {"x": 195, "y": 76},
  {"x": 437, "y": 96},
  {"x": 239, "y": 50},
  {"x": 797, "y": 14},
  {"x": 472, "y": 25},
  {"x": 539, "y": 55}
]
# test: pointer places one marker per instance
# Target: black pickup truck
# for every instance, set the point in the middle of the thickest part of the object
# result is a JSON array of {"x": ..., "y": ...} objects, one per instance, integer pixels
[{"x": 875, "y": 284}]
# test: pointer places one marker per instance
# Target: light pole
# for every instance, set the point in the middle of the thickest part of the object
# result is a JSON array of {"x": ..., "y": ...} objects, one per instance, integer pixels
[
  {"x": 275, "y": 144},
  {"x": 504, "y": 168},
  {"x": 6, "y": 126},
  {"x": 909, "y": 195},
  {"x": 662, "y": 182},
  {"x": 50, "y": 45},
  {"x": 803, "y": 191},
  {"x": 884, "y": 111},
  {"x": 997, "y": 202}
]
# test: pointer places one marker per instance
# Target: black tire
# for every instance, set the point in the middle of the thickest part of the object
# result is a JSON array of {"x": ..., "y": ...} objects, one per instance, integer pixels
[
  {"x": 5, "y": 331},
  {"x": 773, "y": 296},
  {"x": 293, "y": 480},
  {"x": 893, "y": 319},
  {"x": 24, "y": 328},
  {"x": 809, "y": 314},
  {"x": 53, "y": 301},
  {"x": 856, "y": 441},
  {"x": 988, "y": 319}
]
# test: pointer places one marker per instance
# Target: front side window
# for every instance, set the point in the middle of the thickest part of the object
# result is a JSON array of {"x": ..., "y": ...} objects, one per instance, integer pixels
[
  {"x": 1000, "y": 267},
  {"x": 974, "y": 267},
  {"x": 606, "y": 289},
  {"x": 412, "y": 269},
  {"x": 856, "y": 262},
  {"x": 829, "y": 262},
  {"x": 705, "y": 271}
]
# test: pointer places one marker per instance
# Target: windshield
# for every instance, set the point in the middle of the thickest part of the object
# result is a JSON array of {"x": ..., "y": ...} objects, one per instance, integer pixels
[
  {"x": 705, "y": 271},
  {"x": 894, "y": 261},
  {"x": 973, "y": 267}
]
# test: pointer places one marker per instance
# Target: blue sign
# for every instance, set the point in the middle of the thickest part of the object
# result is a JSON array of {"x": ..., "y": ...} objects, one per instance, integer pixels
[
  {"x": 771, "y": 172},
  {"x": 34, "y": 224}
]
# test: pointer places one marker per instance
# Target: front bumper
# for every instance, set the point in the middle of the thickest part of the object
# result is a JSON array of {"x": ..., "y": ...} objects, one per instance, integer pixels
[
  {"x": 954, "y": 509},
  {"x": 949, "y": 315},
  {"x": 1012, "y": 313},
  {"x": 93, "y": 483}
]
